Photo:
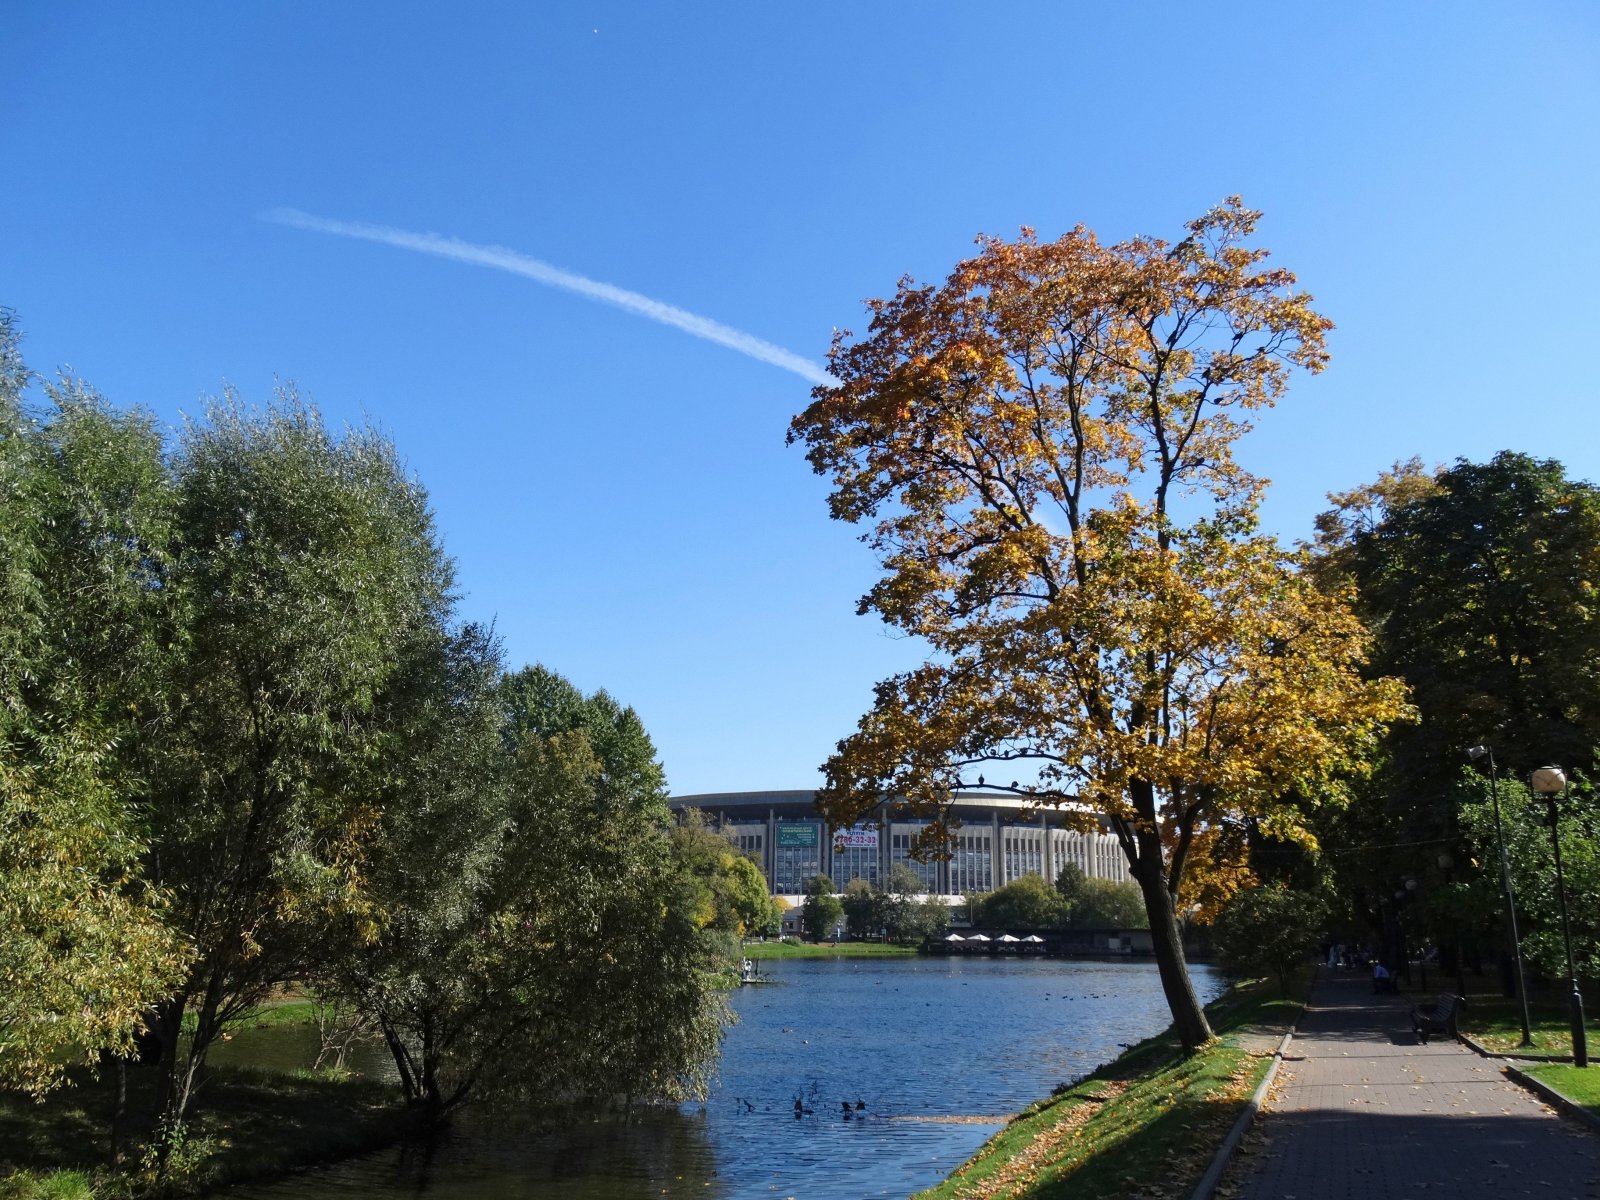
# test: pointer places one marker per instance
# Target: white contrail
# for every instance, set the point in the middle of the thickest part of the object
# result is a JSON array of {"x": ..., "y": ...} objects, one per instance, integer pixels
[{"x": 503, "y": 259}]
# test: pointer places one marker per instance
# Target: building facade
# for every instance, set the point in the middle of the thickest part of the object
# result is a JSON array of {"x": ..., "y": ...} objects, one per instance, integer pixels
[{"x": 999, "y": 839}]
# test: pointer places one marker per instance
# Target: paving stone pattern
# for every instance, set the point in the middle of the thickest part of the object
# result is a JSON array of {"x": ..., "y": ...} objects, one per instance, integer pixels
[{"x": 1361, "y": 1110}]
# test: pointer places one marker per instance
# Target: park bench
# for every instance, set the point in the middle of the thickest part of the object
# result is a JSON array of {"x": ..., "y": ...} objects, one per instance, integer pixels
[{"x": 1441, "y": 1018}]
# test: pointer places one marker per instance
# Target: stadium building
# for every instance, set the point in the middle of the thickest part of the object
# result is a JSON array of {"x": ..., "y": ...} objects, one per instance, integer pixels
[{"x": 999, "y": 839}]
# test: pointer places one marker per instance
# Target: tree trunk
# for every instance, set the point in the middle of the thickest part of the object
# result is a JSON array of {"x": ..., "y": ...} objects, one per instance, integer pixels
[
  {"x": 433, "y": 1105},
  {"x": 402, "y": 1060},
  {"x": 119, "y": 1113},
  {"x": 1188, "y": 1018},
  {"x": 168, "y": 1027},
  {"x": 181, "y": 1078}
]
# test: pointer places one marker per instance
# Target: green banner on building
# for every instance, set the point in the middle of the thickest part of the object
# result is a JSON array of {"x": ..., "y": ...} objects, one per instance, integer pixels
[{"x": 797, "y": 835}]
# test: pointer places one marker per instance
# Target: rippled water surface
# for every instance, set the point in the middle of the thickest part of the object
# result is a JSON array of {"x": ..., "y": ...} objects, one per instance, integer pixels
[{"x": 938, "y": 1052}]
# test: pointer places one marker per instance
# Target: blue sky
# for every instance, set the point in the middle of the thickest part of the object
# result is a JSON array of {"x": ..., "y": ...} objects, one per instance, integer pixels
[{"x": 616, "y": 491}]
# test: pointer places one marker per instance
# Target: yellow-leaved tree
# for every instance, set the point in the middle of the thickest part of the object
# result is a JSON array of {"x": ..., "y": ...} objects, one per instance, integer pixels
[{"x": 1042, "y": 448}]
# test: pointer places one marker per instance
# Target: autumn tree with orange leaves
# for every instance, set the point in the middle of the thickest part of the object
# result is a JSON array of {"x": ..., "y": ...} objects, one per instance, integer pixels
[{"x": 1042, "y": 450}]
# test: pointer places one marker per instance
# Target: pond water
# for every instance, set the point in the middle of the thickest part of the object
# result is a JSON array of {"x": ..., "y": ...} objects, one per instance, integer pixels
[{"x": 936, "y": 1052}]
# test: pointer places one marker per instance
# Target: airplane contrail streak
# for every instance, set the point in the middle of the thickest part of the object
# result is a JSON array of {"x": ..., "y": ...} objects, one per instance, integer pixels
[{"x": 503, "y": 259}]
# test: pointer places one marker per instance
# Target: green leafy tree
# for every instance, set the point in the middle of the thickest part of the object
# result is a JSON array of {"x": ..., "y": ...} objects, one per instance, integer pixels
[
  {"x": 305, "y": 567},
  {"x": 863, "y": 908},
  {"x": 571, "y": 959},
  {"x": 822, "y": 912},
  {"x": 731, "y": 891},
  {"x": 632, "y": 1009},
  {"x": 1479, "y": 585},
  {"x": 926, "y": 918},
  {"x": 1477, "y": 582},
  {"x": 1524, "y": 817},
  {"x": 903, "y": 881},
  {"x": 1111, "y": 904},
  {"x": 1070, "y": 883},
  {"x": 418, "y": 960},
  {"x": 1268, "y": 929},
  {"x": 84, "y": 950},
  {"x": 1027, "y": 902},
  {"x": 907, "y": 915},
  {"x": 774, "y": 926}
]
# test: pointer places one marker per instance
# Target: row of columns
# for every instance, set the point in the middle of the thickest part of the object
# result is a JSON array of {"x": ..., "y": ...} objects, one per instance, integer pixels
[{"x": 1097, "y": 864}]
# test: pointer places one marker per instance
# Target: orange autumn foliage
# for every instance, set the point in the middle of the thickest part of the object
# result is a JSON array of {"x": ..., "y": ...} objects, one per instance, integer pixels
[{"x": 1041, "y": 449}]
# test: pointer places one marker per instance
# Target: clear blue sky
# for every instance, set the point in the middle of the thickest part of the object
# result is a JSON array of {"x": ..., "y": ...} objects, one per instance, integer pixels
[{"x": 617, "y": 492}]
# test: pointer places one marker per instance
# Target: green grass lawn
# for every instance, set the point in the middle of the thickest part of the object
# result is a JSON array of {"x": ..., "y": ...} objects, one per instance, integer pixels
[
  {"x": 1496, "y": 1022},
  {"x": 1145, "y": 1126},
  {"x": 1580, "y": 1085},
  {"x": 294, "y": 1008},
  {"x": 766, "y": 950}
]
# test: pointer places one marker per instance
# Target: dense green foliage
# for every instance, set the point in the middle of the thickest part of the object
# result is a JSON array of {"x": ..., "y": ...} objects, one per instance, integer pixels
[
  {"x": 1524, "y": 817},
  {"x": 730, "y": 891},
  {"x": 244, "y": 738},
  {"x": 822, "y": 914},
  {"x": 1268, "y": 929},
  {"x": 1027, "y": 902},
  {"x": 555, "y": 950},
  {"x": 1479, "y": 582},
  {"x": 305, "y": 573},
  {"x": 85, "y": 943},
  {"x": 1076, "y": 901},
  {"x": 899, "y": 913},
  {"x": 1101, "y": 903},
  {"x": 1481, "y": 589}
]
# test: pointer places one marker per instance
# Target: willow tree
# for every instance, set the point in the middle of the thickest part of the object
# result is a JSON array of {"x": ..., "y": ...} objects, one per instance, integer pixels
[
  {"x": 540, "y": 941},
  {"x": 1042, "y": 448},
  {"x": 306, "y": 571},
  {"x": 84, "y": 950}
]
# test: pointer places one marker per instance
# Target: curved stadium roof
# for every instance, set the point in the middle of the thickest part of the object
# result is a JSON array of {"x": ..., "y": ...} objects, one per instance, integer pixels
[{"x": 802, "y": 803}]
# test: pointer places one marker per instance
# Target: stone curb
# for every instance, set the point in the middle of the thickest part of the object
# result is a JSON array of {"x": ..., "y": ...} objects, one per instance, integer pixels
[
  {"x": 1552, "y": 1097},
  {"x": 1224, "y": 1155}
]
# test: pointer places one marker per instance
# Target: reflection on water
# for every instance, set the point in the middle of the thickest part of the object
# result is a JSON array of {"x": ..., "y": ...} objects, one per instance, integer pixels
[{"x": 912, "y": 1042}]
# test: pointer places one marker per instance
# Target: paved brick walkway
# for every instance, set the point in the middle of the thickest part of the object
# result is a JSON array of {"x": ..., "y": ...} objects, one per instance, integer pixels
[{"x": 1360, "y": 1110}]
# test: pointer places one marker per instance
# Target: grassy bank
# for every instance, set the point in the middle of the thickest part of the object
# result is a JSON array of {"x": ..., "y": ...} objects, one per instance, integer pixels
[
  {"x": 287, "y": 1012},
  {"x": 1144, "y": 1126},
  {"x": 765, "y": 950},
  {"x": 1496, "y": 1022},
  {"x": 253, "y": 1124},
  {"x": 1579, "y": 1085}
]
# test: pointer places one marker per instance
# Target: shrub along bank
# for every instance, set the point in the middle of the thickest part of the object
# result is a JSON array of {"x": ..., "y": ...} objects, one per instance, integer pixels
[{"x": 1144, "y": 1126}]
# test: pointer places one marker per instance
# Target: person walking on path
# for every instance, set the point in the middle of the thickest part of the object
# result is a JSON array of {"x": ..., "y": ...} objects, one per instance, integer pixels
[{"x": 1361, "y": 1111}]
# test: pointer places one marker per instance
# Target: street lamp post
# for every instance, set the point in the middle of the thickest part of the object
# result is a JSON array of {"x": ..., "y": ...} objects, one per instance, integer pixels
[
  {"x": 1418, "y": 931},
  {"x": 1447, "y": 864},
  {"x": 1551, "y": 782},
  {"x": 1405, "y": 897},
  {"x": 1475, "y": 753}
]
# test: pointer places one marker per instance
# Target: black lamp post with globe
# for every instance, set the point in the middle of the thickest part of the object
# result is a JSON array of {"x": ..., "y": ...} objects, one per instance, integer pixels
[{"x": 1551, "y": 782}]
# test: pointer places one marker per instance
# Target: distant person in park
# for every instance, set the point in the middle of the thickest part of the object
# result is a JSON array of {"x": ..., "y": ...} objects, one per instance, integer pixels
[{"x": 1382, "y": 981}]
